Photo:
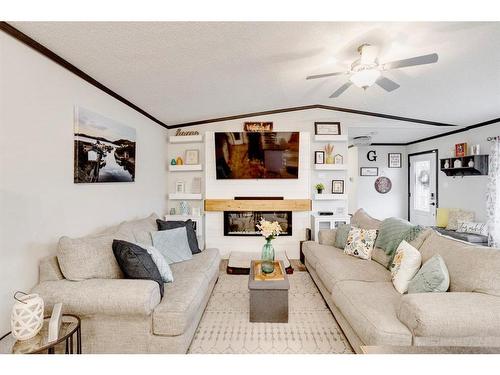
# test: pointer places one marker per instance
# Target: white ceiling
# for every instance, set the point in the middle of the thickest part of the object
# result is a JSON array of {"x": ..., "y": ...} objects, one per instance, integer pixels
[{"x": 189, "y": 71}]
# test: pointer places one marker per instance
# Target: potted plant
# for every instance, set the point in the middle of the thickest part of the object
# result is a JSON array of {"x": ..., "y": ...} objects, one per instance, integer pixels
[{"x": 320, "y": 188}]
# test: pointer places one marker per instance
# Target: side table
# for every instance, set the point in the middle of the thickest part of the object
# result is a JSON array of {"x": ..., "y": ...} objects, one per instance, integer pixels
[{"x": 70, "y": 326}]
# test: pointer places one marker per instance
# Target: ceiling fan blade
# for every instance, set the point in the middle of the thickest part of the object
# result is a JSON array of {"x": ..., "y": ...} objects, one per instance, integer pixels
[
  {"x": 326, "y": 75},
  {"x": 341, "y": 89},
  {"x": 387, "y": 84},
  {"x": 418, "y": 60}
]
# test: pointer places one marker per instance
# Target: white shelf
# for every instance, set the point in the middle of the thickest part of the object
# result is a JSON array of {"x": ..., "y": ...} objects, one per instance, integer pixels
[
  {"x": 330, "y": 197},
  {"x": 185, "y": 138},
  {"x": 184, "y": 197},
  {"x": 330, "y": 167},
  {"x": 330, "y": 138},
  {"x": 185, "y": 168}
]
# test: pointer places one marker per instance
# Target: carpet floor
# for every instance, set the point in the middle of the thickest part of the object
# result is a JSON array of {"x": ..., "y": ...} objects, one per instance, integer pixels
[{"x": 225, "y": 326}]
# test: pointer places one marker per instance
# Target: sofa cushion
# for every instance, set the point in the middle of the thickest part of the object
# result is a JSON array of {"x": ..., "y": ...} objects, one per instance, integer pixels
[
  {"x": 360, "y": 242},
  {"x": 431, "y": 278},
  {"x": 361, "y": 219},
  {"x": 341, "y": 235},
  {"x": 136, "y": 263},
  {"x": 89, "y": 257},
  {"x": 185, "y": 296},
  {"x": 332, "y": 266},
  {"x": 190, "y": 231},
  {"x": 371, "y": 310},
  {"x": 140, "y": 228},
  {"x": 404, "y": 266},
  {"x": 327, "y": 236},
  {"x": 471, "y": 268},
  {"x": 379, "y": 256},
  {"x": 451, "y": 314},
  {"x": 173, "y": 244}
]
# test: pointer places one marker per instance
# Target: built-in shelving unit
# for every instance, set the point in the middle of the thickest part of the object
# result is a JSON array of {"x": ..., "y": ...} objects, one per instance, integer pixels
[
  {"x": 330, "y": 167},
  {"x": 185, "y": 197},
  {"x": 330, "y": 197},
  {"x": 185, "y": 168},
  {"x": 337, "y": 204},
  {"x": 186, "y": 138},
  {"x": 479, "y": 166},
  {"x": 330, "y": 138}
]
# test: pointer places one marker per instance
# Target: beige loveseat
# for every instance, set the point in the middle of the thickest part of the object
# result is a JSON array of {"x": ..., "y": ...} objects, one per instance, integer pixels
[
  {"x": 127, "y": 316},
  {"x": 371, "y": 312}
]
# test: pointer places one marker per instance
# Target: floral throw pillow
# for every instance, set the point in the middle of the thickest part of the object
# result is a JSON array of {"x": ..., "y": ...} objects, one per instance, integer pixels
[
  {"x": 360, "y": 242},
  {"x": 405, "y": 266}
]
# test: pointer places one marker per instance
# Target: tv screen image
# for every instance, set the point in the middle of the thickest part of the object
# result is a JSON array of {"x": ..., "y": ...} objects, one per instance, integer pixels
[{"x": 248, "y": 155}]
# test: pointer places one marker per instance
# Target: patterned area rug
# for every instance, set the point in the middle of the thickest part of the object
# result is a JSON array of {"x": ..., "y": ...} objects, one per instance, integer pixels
[{"x": 225, "y": 326}]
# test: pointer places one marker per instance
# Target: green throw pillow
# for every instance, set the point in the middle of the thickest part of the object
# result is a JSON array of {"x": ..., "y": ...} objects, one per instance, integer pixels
[
  {"x": 392, "y": 231},
  {"x": 432, "y": 277},
  {"x": 341, "y": 235}
]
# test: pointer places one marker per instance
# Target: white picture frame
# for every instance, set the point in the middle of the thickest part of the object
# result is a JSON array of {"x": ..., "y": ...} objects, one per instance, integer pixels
[
  {"x": 180, "y": 187},
  {"x": 192, "y": 157}
]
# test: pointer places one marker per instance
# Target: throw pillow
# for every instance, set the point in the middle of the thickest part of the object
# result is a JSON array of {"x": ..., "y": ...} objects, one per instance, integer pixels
[
  {"x": 173, "y": 244},
  {"x": 392, "y": 231},
  {"x": 404, "y": 266},
  {"x": 191, "y": 232},
  {"x": 472, "y": 227},
  {"x": 457, "y": 214},
  {"x": 136, "y": 263},
  {"x": 432, "y": 277},
  {"x": 360, "y": 242},
  {"x": 160, "y": 261},
  {"x": 89, "y": 257},
  {"x": 341, "y": 235}
]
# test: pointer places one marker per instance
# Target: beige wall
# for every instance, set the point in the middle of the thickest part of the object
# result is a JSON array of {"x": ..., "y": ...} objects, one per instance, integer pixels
[{"x": 38, "y": 200}]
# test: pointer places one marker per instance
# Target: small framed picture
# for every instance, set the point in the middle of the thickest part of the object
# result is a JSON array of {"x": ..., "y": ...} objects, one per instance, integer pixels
[
  {"x": 460, "y": 150},
  {"x": 192, "y": 157},
  {"x": 327, "y": 128},
  {"x": 368, "y": 171},
  {"x": 180, "y": 187},
  {"x": 337, "y": 186},
  {"x": 319, "y": 157},
  {"x": 394, "y": 160},
  {"x": 338, "y": 159}
]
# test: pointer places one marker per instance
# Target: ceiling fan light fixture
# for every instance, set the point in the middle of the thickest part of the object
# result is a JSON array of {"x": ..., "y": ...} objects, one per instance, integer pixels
[{"x": 365, "y": 78}]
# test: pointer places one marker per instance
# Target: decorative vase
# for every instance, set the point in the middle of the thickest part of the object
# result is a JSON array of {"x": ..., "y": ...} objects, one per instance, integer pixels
[
  {"x": 26, "y": 319},
  {"x": 447, "y": 164},
  {"x": 471, "y": 163},
  {"x": 173, "y": 162},
  {"x": 329, "y": 159},
  {"x": 184, "y": 208},
  {"x": 267, "y": 257},
  {"x": 179, "y": 161}
]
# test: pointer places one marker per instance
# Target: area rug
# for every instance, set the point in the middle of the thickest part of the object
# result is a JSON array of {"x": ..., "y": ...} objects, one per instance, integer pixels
[{"x": 225, "y": 326}]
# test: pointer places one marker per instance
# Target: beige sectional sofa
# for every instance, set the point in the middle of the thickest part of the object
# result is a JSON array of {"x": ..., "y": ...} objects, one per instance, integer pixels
[
  {"x": 371, "y": 312},
  {"x": 127, "y": 316}
]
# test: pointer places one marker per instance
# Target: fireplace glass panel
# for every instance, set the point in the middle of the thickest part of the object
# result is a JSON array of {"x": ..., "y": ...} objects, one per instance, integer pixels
[{"x": 244, "y": 223}]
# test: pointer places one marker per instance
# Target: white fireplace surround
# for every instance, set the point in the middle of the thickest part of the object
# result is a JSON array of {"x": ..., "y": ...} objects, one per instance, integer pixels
[{"x": 227, "y": 189}]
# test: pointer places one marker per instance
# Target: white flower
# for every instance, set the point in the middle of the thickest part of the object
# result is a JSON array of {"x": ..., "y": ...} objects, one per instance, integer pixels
[{"x": 269, "y": 229}]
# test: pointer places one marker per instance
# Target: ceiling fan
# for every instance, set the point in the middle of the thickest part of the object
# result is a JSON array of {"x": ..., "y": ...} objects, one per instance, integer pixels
[{"x": 367, "y": 70}]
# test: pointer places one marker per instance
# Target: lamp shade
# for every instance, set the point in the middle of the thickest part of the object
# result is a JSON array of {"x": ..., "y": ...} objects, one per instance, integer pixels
[{"x": 365, "y": 78}]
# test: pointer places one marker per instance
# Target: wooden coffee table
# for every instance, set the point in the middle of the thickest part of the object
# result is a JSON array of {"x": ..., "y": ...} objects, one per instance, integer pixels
[{"x": 268, "y": 298}]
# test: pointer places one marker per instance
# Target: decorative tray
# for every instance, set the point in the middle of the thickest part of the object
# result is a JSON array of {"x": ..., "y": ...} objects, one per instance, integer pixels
[{"x": 277, "y": 275}]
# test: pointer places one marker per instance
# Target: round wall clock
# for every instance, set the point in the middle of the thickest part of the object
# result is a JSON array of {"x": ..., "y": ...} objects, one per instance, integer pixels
[{"x": 383, "y": 185}]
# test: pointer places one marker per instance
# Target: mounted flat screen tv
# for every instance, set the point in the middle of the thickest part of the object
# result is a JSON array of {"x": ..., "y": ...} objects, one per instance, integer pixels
[{"x": 265, "y": 155}]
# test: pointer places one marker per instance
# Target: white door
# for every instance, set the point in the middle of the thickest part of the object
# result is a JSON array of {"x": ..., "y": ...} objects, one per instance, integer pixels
[{"x": 422, "y": 189}]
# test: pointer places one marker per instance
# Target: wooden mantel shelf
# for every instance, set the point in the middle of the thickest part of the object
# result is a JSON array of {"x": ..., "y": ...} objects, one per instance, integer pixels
[{"x": 258, "y": 205}]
